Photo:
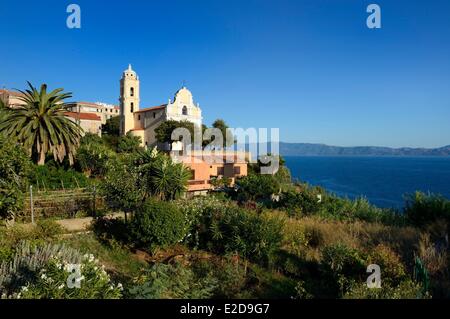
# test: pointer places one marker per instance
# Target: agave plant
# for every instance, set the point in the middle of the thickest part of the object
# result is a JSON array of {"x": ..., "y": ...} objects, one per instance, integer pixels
[{"x": 40, "y": 124}]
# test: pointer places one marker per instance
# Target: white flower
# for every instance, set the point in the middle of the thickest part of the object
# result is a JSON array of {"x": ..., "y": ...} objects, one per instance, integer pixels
[
  {"x": 24, "y": 288},
  {"x": 61, "y": 286},
  {"x": 120, "y": 286},
  {"x": 44, "y": 276}
]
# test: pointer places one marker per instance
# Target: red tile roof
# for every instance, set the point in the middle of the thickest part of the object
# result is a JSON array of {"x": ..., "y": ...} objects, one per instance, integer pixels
[
  {"x": 83, "y": 116},
  {"x": 153, "y": 108}
]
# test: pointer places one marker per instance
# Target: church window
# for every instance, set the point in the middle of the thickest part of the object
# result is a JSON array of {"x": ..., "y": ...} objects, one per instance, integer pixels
[
  {"x": 132, "y": 107},
  {"x": 154, "y": 115},
  {"x": 132, "y": 91},
  {"x": 139, "y": 117},
  {"x": 185, "y": 111}
]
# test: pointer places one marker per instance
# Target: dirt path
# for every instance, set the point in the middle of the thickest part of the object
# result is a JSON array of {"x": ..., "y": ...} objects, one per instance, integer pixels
[{"x": 80, "y": 224}]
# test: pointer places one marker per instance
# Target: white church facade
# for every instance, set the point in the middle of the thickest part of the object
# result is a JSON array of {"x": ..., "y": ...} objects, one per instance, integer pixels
[{"x": 143, "y": 122}]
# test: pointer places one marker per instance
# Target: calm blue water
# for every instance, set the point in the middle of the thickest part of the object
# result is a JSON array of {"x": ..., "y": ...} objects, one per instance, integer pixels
[{"x": 382, "y": 180}]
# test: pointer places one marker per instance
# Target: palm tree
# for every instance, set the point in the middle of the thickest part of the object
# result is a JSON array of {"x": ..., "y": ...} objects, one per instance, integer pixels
[
  {"x": 162, "y": 177},
  {"x": 41, "y": 126}
]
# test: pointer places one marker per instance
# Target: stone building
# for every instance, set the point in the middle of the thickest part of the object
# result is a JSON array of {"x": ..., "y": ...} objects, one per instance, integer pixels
[{"x": 143, "y": 122}]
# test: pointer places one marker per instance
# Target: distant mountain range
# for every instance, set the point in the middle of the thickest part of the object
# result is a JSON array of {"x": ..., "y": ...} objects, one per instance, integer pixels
[{"x": 308, "y": 149}]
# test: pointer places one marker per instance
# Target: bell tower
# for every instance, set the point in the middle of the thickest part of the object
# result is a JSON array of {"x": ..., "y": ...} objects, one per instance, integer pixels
[{"x": 129, "y": 99}]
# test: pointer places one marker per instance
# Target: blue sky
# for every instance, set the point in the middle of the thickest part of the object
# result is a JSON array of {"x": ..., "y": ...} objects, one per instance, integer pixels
[{"x": 311, "y": 68}]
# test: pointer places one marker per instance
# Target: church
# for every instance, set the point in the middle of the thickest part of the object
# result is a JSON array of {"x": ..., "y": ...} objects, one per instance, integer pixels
[{"x": 143, "y": 122}]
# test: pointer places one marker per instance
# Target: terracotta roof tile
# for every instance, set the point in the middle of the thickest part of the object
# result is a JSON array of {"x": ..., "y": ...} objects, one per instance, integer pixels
[
  {"x": 153, "y": 108},
  {"x": 83, "y": 116}
]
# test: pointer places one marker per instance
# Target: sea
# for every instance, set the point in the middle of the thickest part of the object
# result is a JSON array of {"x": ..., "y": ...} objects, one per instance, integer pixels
[{"x": 382, "y": 180}]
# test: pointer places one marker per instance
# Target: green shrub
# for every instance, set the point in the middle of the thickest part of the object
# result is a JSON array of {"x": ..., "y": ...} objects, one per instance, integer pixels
[
  {"x": 341, "y": 266},
  {"x": 51, "y": 176},
  {"x": 111, "y": 230},
  {"x": 176, "y": 281},
  {"x": 341, "y": 259},
  {"x": 359, "y": 209},
  {"x": 120, "y": 187},
  {"x": 229, "y": 273},
  {"x": 257, "y": 187},
  {"x": 235, "y": 230},
  {"x": 47, "y": 228},
  {"x": 93, "y": 156},
  {"x": 393, "y": 271},
  {"x": 129, "y": 144},
  {"x": 423, "y": 209},
  {"x": 197, "y": 212},
  {"x": 407, "y": 289},
  {"x": 299, "y": 203},
  {"x": 157, "y": 224},
  {"x": 15, "y": 168}
]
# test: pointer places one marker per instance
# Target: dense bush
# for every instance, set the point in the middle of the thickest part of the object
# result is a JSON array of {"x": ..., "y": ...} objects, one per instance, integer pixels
[
  {"x": 15, "y": 167},
  {"x": 120, "y": 187},
  {"x": 48, "y": 177},
  {"x": 93, "y": 156},
  {"x": 129, "y": 144},
  {"x": 407, "y": 289},
  {"x": 341, "y": 266},
  {"x": 393, "y": 271},
  {"x": 299, "y": 203},
  {"x": 172, "y": 282},
  {"x": 304, "y": 201},
  {"x": 223, "y": 227},
  {"x": 423, "y": 209},
  {"x": 111, "y": 126},
  {"x": 199, "y": 210},
  {"x": 157, "y": 224},
  {"x": 235, "y": 230},
  {"x": 257, "y": 187}
]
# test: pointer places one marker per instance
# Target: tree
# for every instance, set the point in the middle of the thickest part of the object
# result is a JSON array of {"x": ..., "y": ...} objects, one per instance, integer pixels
[
  {"x": 165, "y": 129},
  {"x": 41, "y": 125},
  {"x": 120, "y": 187},
  {"x": 129, "y": 143},
  {"x": 15, "y": 167},
  {"x": 257, "y": 187},
  {"x": 162, "y": 177},
  {"x": 223, "y": 127},
  {"x": 112, "y": 126},
  {"x": 93, "y": 156}
]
